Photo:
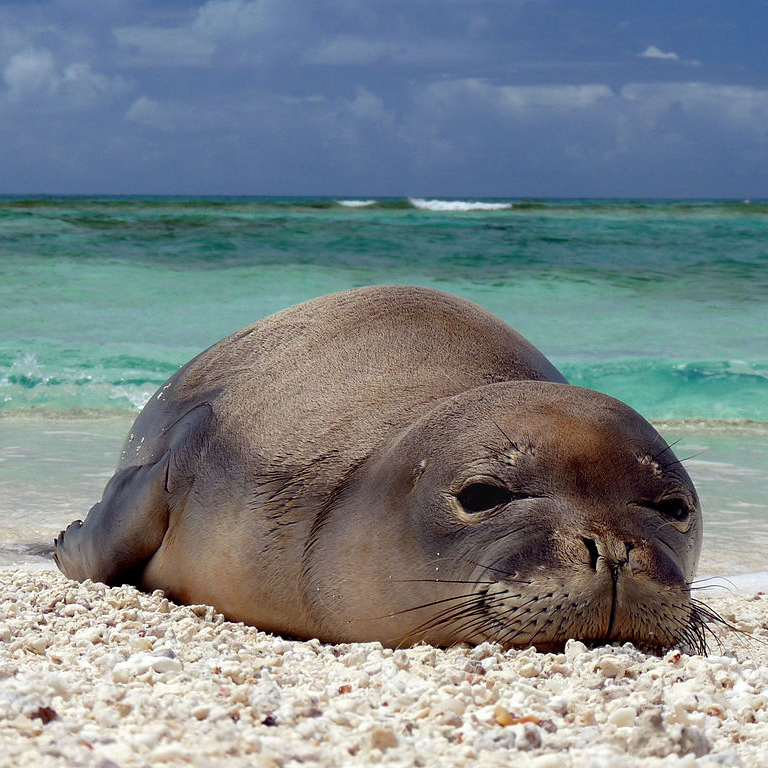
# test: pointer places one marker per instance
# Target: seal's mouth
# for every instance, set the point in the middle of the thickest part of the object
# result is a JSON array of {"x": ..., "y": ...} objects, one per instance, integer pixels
[
  {"x": 593, "y": 588},
  {"x": 607, "y": 603},
  {"x": 603, "y": 604}
]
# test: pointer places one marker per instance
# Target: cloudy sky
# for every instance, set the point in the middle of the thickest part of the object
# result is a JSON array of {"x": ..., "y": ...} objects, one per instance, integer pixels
[{"x": 385, "y": 97}]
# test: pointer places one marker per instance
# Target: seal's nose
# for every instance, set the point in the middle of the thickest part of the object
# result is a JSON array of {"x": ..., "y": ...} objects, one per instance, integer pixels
[{"x": 613, "y": 552}]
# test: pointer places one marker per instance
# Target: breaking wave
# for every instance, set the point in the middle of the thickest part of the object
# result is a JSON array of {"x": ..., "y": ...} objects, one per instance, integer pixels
[
  {"x": 457, "y": 205},
  {"x": 659, "y": 389}
]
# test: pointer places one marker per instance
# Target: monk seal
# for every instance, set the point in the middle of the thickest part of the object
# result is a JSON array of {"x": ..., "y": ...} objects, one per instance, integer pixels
[{"x": 395, "y": 463}]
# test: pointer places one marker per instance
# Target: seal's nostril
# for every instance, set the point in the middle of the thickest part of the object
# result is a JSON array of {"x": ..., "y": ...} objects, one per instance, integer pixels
[
  {"x": 630, "y": 546},
  {"x": 593, "y": 553}
]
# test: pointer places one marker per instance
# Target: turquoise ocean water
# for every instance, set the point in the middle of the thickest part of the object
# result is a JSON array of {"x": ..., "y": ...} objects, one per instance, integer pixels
[{"x": 663, "y": 304}]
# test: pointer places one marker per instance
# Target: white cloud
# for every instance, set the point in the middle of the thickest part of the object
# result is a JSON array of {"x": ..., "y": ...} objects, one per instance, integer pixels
[
  {"x": 332, "y": 122},
  {"x": 188, "y": 117},
  {"x": 366, "y": 106},
  {"x": 517, "y": 99},
  {"x": 80, "y": 80},
  {"x": 362, "y": 51},
  {"x": 652, "y": 52},
  {"x": 552, "y": 97},
  {"x": 177, "y": 46},
  {"x": 648, "y": 128},
  {"x": 228, "y": 112},
  {"x": 741, "y": 106},
  {"x": 194, "y": 43},
  {"x": 218, "y": 19},
  {"x": 353, "y": 121},
  {"x": 152, "y": 113},
  {"x": 34, "y": 74},
  {"x": 30, "y": 72}
]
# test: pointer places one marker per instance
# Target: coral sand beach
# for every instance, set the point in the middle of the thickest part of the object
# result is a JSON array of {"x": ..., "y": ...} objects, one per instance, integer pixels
[{"x": 97, "y": 676}]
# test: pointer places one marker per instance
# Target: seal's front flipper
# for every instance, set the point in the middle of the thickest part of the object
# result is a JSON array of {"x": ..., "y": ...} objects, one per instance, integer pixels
[
  {"x": 122, "y": 531},
  {"x": 125, "y": 529}
]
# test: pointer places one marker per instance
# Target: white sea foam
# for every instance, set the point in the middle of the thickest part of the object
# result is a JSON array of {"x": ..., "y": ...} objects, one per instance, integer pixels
[
  {"x": 456, "y": 205},
  {"x": 355, "y": 203},
  {"x": 137, "y": 396},
  {"x": 24, "y": 366}
]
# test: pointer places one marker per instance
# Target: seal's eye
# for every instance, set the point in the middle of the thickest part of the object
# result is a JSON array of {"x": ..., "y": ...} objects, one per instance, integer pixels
[
  {"x": 675, "y": 509},
  {"x": 480, "y": 497}
]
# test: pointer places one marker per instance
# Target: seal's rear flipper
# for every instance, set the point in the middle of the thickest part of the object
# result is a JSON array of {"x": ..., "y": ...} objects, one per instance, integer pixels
[{"x": 123, "y": 531}]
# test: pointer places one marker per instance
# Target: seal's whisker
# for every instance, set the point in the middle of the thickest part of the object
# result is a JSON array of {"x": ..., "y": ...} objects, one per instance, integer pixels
[
  {"x": 474, "y": 607},
  {"x": 450, "y": 614},
  {"x": 711, "y": 583},
  {"x": 483, "y": 611},
  {"x": 389, "y": 580},
  {"x": 502, "y": 571},
  {"x": 419, "y": 607},
  {"x": 479, "y": 622},
  {"x": 448, "y": 611},
  {"x": 703, "y": 621},
  {"x": 682, "y": 461},
  {"x": 441, "y": 619},
  {"x": 691, "y": 634},
  {"x": 668, "y": 448},
  {"x": 711, "y": 616},
  {"x": 654, "y": 441},
  {"x": 507, "y": 637},
  {"x": 475, "y": 625},
  {"x": 477, "y": 618},
  {"x": 498, "y": 426},
  {"x": 499, "y": 619},
  {"x": 469, "y": 624}
]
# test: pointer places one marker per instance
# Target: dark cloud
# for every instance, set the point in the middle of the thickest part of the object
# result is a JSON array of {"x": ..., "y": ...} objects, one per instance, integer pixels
[{"x": 460, "y": 97}]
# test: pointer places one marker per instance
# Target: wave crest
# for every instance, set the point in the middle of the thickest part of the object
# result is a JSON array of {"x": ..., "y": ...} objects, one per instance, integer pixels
[
  {"x": 356, "y": 203},
  {"x": 660, "y": 389},
  {"x": 670, "y": 389},
  {"x": 456, "y": 205}
]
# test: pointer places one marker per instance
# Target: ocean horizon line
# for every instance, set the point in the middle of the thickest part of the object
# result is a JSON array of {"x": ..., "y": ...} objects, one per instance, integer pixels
[{"x": 368, "y": 196}]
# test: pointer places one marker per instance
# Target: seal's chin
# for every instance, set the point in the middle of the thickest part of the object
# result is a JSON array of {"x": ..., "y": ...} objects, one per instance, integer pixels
[{"x": 608, "y": 605}]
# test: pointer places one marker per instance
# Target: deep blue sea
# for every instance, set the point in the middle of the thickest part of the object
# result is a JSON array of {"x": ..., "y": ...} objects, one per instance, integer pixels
[{"x": 663, "y": 304}]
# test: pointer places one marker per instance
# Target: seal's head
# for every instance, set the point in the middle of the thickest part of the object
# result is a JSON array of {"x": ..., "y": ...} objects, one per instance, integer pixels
[{"x": 520, "y": 512}]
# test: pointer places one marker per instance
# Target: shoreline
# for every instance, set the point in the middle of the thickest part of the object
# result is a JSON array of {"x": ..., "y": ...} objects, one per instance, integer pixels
[{"x": 91, "y": 675}]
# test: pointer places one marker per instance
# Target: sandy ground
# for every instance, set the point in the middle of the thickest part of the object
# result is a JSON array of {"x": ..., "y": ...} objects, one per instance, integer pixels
[{"x": 92, "y": 676}]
